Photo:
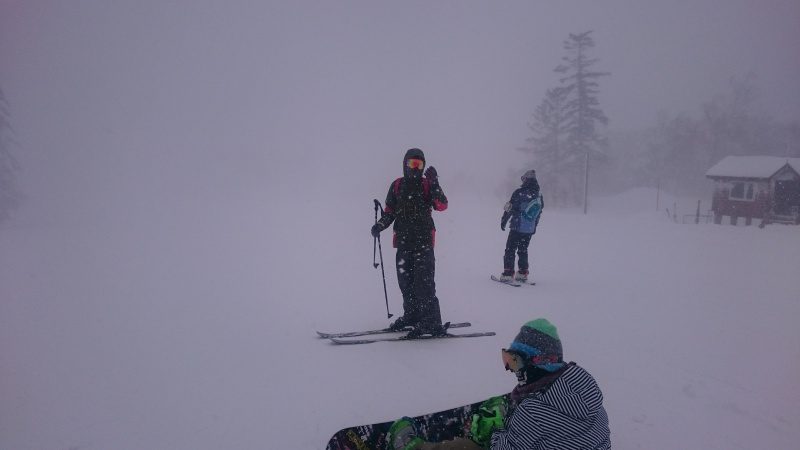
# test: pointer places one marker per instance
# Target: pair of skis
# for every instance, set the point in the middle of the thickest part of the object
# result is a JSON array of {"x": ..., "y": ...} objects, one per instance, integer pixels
[
  {"x": 513, "y": 282},
  {"x": 357, "y": 337},
  {"x": 346, "y": 338}
]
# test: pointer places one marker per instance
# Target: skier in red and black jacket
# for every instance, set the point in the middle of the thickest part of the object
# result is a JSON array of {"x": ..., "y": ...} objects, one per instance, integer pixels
[{"x": 409, "y": 204}]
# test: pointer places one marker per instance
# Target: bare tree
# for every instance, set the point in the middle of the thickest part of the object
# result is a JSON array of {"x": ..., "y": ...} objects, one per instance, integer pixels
[
  {"x": 734, "y": 126},
  {"x": 677, "y": 155},
  {"x": 682, "y": 148}
]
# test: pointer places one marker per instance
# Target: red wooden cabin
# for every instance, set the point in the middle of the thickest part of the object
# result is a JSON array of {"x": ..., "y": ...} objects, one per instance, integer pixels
[{"x": 756, "y": 187}]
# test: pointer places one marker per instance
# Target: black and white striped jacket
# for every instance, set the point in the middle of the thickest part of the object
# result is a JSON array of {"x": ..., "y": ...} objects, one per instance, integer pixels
[{"x": 567, "y": 415}]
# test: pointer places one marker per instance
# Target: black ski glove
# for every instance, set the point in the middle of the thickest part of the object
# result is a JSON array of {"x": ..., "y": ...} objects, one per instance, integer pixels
[
  {"x": 430, "y": 173},
  {"x": 504, "y": 220},
  {"x": 506, "y": 216},
  {"x": 376, "y": 230}
]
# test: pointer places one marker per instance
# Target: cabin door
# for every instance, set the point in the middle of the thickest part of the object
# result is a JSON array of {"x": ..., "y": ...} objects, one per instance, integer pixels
[{"x": 787, "y": 196}]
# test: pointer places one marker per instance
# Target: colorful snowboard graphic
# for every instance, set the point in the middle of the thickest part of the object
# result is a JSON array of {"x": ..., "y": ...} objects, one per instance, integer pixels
[{"x": 434, "y": 427}]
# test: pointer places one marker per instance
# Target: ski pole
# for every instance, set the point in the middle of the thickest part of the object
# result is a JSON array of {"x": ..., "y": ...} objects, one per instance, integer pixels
[
  {"x": 380, "y": 252},
  {"x": 375, "y": 239}
]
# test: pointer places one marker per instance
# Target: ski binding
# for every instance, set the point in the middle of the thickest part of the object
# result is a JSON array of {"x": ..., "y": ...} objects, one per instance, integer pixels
[
  {"x": 380, "y": 331},
  {"x": 340, "y": 341}
]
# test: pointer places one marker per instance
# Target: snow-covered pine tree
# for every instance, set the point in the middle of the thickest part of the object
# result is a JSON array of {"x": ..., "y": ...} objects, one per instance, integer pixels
[
  {"x": 582, "y": 109},
  {"x": 547, "y": 144}
]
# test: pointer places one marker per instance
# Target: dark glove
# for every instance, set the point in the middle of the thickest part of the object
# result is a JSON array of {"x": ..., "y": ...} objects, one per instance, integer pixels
[
  {"x": 376, "y": 230},
  {"x": 506, "y": 216},
  {"x": 430, "y": 173}
]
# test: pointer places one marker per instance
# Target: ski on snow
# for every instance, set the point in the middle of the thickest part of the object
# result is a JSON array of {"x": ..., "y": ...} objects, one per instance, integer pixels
[
  {"x": 514, "y": 283},
  {"x": 340, "y": 341},
  {"x": 381, "y": 331}
]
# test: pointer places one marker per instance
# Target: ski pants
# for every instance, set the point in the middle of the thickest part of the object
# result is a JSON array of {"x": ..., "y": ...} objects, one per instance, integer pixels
[
  {"x": 415, "y": 275},
  {"x": 517, "y": 242}
]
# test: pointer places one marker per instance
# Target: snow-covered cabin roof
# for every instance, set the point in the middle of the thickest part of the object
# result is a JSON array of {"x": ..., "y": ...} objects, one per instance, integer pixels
[{"x": 751, "y": 166}]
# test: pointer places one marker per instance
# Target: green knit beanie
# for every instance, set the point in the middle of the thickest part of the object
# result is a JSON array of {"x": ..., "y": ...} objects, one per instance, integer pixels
[{"x": 539, "y": 337}]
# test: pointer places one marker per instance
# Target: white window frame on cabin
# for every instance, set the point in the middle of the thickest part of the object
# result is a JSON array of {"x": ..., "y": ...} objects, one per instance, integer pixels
[{"x": 748, "y": 191}]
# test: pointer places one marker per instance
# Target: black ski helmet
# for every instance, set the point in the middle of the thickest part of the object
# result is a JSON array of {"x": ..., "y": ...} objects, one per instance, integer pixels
[{"x": 413, "y": 153}]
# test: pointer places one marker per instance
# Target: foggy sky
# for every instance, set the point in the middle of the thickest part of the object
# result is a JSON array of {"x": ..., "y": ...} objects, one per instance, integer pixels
[
  {"x": 112, "y": 94},
  {"x": 218, "y": 161}
]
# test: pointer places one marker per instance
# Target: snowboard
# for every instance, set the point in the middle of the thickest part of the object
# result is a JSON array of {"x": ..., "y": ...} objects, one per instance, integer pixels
[
  {"x": 514, "y": 283},
  {"x": 435, "y": 427},
  {"x": 509, "y": 282}
]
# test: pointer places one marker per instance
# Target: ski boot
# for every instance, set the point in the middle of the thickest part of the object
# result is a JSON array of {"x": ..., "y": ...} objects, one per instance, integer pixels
[
  {"x": 403, "y": 435},
  {"x": 508, "y": 275},
  {"x": 522, "y": 276},
  {"x": 432, "y": 329},
  {"x": 402, "y": 323}
]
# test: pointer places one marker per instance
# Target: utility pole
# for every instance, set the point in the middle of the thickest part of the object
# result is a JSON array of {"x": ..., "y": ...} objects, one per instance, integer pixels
[
  {"x": 586, "y": 183},
  {"x": 658, "y": 194}
]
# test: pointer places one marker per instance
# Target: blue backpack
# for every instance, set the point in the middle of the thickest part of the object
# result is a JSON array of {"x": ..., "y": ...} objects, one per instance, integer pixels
[{"x": 529, "y": 215}]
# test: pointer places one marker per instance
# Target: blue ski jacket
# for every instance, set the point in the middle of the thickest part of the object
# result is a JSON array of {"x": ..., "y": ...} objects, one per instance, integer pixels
[{"x": 525, "y": 208}]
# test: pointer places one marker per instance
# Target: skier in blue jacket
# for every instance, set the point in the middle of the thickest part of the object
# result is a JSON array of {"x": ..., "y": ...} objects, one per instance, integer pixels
[{"x": 524, "y": 209}]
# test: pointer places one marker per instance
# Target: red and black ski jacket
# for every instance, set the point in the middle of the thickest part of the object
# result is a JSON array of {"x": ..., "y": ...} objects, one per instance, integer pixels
[{"x": 409, "y": 204}]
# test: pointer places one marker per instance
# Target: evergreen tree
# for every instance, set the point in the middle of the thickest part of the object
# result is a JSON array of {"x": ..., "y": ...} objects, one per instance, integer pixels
[
  {"x": 547, "y": 143},
  {"x": 9, "y": 197},
  {"x": 582, "y": 109}
]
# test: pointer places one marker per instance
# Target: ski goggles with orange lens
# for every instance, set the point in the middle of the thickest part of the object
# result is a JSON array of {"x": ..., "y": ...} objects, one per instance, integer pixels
[
  {"x": 415, "y": 164},
  {"x": 512, "y": 361}
]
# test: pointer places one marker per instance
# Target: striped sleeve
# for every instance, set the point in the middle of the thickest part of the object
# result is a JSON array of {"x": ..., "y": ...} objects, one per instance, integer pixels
[{"x": 569, "y": 416}]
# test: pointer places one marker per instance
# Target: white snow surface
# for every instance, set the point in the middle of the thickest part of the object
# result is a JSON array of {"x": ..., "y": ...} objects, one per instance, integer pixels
[
  {"x": 756, "y": 166},
  {"x": 195, "y": 329}
]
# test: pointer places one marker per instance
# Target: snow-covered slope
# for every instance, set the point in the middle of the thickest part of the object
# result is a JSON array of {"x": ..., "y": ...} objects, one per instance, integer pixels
[{"x": 194, "y": 328}]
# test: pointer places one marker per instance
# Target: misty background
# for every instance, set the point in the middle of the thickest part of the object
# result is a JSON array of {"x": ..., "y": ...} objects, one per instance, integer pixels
[
  {"x": 132, "y": 105},
  {"x": 187, "y": 190}
]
